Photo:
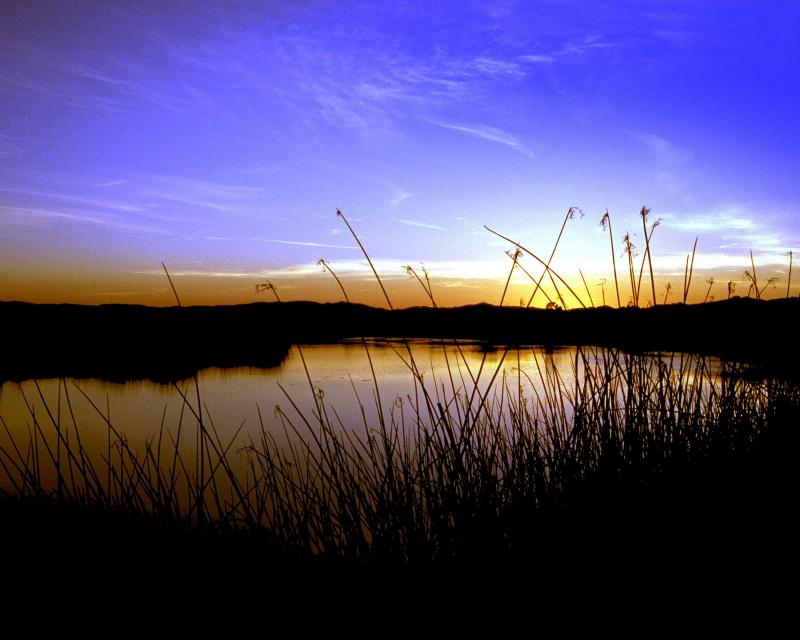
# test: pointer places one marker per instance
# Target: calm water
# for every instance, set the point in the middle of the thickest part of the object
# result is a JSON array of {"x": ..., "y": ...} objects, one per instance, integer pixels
[
  {"x": 233, "y": 398},
  {"x": 229, "y": 397}
]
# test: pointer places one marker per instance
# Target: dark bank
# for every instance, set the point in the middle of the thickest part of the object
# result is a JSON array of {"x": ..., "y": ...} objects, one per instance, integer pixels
[{"x": 125, "y": 342}]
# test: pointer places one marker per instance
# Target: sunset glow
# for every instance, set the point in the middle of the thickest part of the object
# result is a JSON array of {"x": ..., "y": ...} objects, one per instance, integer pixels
[{"x": 220, "y": 141}]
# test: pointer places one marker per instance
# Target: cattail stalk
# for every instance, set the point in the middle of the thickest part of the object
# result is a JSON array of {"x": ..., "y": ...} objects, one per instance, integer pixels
[
  {"x": 629, "y": 247},
  {"x": 607, "y": 219},
  {"x": 647, "y": 255},
  {"x": 588, "y": 293},
  {"x": 425, "y": 287},
  {"x": 789, "y": 283},
  {"x": 369, "y": 260},
  {"x": 710, "y": 282},
  {"x": 514, "y": 259},
  {"x": 687, "y": 274},
  {"x": 755, "y": 277}
]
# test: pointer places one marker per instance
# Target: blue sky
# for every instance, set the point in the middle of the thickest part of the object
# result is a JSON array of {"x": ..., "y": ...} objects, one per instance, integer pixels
[{"x": 220, "y": 140}]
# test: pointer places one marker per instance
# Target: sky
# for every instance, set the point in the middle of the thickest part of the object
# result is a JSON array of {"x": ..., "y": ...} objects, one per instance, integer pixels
[{"x": 220, "y": 139}]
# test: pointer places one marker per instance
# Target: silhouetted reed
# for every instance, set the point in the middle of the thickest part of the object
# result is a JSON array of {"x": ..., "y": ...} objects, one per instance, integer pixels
[
  {"x": 689, "y": 270},
  {"x": 606, "y": 220},
  {"x": 648, "y": 237}
]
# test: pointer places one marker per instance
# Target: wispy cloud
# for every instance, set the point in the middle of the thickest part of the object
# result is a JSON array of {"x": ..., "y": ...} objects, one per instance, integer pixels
[
  {"x": 166, "y": 191},
  {"x": 461, "y": 270},
  {"x": 538, "y": 58},
  {"x": 306, "y": 244},
  {"x": 571, "y": 49},
  {"x": 201, "y": 273},
  {"x": 401, "y": 196},
  {"x": 423, "y": 225},
  {"x": 677, "y": 37},
  {"x": 65, "y": 197},
  {"x": 298, "y": 243},
  {"x": 112, "y": 183},
  {"x": 109, "y": 82},
  {"x": 26, "y": 215},
  {"x": 712, "y": 222},
  {"x": 495, "y": 67},
  {"x": 491, "y": 134},
  {"x": 734, "y": 230},
  {"x": 588, "y": 43},
  {"x": 663, "y": 150}
]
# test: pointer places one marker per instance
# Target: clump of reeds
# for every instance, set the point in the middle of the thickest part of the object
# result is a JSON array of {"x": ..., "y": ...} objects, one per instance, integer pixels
[
  {"x": 753, "y": 279},
  {"x": 438, "y": 481}
]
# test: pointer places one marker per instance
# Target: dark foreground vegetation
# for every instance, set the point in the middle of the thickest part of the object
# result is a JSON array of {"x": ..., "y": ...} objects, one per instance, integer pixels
[
  {"x": 124, "y": 342},
  {"x": 643, "y": 466}
]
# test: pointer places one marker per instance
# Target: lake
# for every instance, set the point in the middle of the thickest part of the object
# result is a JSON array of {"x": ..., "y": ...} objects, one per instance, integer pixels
[{"x": 237, "y": 403}]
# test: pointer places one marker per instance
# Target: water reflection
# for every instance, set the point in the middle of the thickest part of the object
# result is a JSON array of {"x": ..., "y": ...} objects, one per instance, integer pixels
[{"x": 239, "y": 403}]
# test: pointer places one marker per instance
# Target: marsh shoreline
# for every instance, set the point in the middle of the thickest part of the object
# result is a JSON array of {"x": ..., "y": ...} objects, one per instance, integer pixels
[{"x": 129, "y": 342}]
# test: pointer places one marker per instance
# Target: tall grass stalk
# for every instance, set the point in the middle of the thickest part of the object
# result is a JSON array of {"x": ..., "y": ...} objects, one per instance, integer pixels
[
  {"x": 687, "y": 274},
  {"x": 710, "y": 282},
  {"x": 201, "y": 428},
  {"x": 369, "y": 260},
  {"x": 628, "y": 250},
  {"x": 647, "y": 254},
  {"x": 327, "y": 267},
  {"x": 378, "y": 401},
  {"x": 426, "y": 283},
  {"x": 606, "y": 220},
  {"x": 409, "y": 361},
  {"x": 588, "y": 293},
  {"x": 753, "y": 278},
  {"x": 667, "y": 291},
  {"x": 514, "y": 259}
]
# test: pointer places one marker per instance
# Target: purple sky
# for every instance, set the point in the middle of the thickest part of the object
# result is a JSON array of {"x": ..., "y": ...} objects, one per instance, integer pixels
[{"x": 220, "y": 137}]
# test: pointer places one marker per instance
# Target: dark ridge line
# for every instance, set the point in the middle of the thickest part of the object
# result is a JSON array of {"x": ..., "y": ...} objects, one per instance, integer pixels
[{"x": 126, "y": 342}]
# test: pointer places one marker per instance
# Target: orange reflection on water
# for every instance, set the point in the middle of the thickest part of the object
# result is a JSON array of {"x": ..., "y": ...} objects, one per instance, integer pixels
[{"x": 411, "y": 378}]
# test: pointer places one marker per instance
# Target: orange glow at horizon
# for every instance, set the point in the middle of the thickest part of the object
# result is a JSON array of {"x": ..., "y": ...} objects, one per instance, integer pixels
[{"x": 57, "y": 284}]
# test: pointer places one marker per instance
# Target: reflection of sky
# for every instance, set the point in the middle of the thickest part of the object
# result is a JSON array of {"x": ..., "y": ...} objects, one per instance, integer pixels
[
  {"x": 221, "y": 140},
  {"x": 236, "y": 402}
]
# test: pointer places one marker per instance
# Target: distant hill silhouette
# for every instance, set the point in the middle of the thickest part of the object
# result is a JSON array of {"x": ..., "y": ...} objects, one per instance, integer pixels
[{"x": 120, "y": 342}]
